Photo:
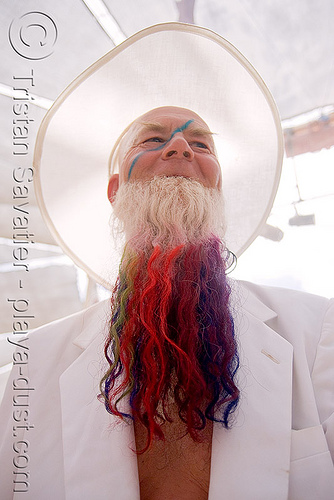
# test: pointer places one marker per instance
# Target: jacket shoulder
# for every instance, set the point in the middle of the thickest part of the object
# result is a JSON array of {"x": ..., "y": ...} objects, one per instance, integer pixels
[
  {"x": 290, "y": 304},
  {"x": 303, "y": 319},
  {"x": 71, "y": 326}
]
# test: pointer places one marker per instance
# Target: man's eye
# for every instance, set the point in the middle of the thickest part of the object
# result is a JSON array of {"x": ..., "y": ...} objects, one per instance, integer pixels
[
  {"x": 200, "y": 145},
  {"x": 155, "y": 139}
]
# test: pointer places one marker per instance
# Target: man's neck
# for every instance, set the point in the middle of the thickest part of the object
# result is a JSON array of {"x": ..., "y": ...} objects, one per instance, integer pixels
[{"x": 176, "y": 468}]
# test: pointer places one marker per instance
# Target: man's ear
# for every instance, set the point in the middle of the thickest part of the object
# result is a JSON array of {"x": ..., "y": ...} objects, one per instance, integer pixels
[{"x": 113, "y": 186}]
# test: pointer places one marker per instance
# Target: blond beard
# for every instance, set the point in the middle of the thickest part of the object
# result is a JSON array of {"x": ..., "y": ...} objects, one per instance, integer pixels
[{"x": 168, "y": 211}]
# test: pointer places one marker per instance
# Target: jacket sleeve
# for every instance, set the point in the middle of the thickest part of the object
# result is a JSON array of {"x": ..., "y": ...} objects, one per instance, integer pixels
[{"x": 323, "y": 376}]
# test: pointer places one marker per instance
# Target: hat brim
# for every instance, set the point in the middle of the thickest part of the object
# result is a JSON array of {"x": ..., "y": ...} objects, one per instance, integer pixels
[{"x": 171, "y": 64}]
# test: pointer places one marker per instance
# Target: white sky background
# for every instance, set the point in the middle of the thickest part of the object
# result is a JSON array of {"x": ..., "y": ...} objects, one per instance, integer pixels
[{"x": 303, "y": 259}]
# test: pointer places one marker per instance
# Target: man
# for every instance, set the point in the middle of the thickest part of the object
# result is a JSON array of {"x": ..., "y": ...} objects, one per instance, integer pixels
[
  {"x": 177, "y": 325},
  {"x": 224, "y": 390}
]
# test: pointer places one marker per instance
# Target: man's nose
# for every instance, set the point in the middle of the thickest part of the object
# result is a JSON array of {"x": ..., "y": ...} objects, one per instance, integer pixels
[{"x": 178, "y": 147}]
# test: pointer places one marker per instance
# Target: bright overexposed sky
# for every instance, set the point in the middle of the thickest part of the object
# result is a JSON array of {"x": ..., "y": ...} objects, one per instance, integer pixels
[{"x": 304, "y": 258}]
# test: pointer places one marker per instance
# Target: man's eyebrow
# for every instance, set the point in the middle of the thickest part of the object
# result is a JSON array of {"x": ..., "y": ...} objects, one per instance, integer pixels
[
  {"x": 200, "y": 131},
  {"x": 151, "y": 127}
]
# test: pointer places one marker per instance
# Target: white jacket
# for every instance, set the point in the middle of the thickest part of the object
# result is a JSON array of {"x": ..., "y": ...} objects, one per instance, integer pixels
[{"x": 278, "y": 448}]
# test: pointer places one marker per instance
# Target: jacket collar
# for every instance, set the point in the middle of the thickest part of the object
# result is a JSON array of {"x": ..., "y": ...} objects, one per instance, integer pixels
[
  {"x": 94, "y": 324},
  {"x": 243, "y": 297}
]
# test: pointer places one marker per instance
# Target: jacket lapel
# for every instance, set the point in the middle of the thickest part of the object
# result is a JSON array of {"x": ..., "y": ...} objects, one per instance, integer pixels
[
  {"x": 258, "y": 444},
  {"x": 98, "y": 461}
]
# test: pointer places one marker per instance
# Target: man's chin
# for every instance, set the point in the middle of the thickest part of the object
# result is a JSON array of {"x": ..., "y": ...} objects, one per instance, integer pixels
[
  {"x": 184, "y": 175},
  {"x": 179, "y": 169}
]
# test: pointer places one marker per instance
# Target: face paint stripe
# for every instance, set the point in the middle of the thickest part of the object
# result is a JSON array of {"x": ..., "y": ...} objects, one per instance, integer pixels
[
  {"x": 176, "y": 131},
  {"x": 180, "y": 129}
]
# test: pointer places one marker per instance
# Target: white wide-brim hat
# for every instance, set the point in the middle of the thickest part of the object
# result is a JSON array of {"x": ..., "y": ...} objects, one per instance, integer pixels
[{"x": 171, "y": 64}]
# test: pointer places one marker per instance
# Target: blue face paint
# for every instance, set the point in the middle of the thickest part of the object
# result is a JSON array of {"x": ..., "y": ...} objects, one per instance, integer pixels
[{"x": 176, "y": 131}]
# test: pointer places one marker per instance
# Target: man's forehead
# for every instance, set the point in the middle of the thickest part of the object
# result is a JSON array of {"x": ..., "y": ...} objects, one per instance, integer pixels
[{"x": 165, "y": 117}]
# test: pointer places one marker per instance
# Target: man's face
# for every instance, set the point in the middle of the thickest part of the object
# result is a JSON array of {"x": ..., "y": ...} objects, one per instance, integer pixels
[{"x": 170, "y": 141}]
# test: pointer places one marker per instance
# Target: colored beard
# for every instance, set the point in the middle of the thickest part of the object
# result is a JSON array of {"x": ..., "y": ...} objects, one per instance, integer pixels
[{"x": 171, "y": 337}]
